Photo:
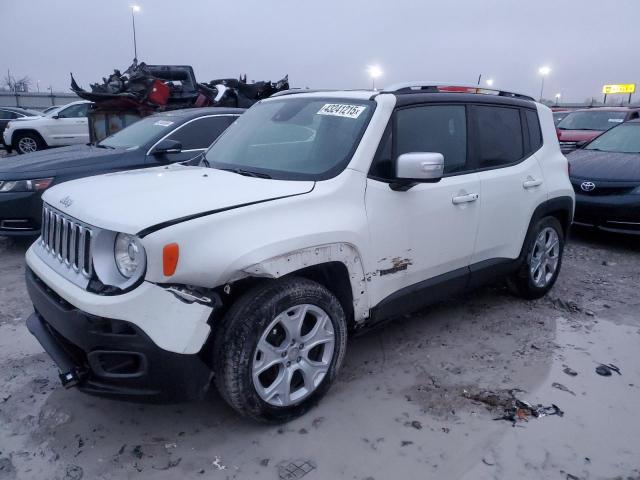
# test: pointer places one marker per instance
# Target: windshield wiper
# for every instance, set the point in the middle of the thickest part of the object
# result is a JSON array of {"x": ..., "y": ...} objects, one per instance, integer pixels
[{"x": 246, "y": 173}]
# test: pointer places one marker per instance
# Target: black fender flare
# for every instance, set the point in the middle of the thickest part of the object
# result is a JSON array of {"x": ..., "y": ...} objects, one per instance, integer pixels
[{"x": 559, "y": 207}]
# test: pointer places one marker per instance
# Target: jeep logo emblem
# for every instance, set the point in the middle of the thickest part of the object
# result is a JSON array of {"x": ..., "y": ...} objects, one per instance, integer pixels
[
  {"x": 588, "y": 186},
  {"x": 66, "y": 201}
]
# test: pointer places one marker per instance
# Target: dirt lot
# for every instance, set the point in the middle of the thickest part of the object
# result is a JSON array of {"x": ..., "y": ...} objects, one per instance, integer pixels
[{"x": 416, "y": 399}]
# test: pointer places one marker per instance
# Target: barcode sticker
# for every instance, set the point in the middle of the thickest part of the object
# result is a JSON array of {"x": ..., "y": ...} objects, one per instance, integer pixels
[{"x": 342, "y": 110}]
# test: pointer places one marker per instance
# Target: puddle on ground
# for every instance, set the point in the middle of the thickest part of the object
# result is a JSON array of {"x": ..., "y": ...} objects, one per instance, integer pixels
[{"x": 597, "y": 438}]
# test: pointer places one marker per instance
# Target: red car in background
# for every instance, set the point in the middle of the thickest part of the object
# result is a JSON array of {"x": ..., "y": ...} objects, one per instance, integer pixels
[{"x": 583, "y": 125}]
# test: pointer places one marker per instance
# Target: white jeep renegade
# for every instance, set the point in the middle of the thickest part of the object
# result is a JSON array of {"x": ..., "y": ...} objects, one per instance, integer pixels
[{"x": 315, "y": 214}]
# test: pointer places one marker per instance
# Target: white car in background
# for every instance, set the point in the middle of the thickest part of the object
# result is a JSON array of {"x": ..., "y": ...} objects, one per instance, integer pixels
[{"x": 65, "y": 125}]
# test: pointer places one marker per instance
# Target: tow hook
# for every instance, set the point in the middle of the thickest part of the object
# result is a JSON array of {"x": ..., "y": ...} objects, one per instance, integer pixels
[{"x": 70, "y": 379}]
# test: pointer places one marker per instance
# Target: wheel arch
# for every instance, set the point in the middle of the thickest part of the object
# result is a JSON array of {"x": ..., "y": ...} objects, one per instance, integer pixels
[
  {"x": 20, "y": 131},
  {"x": 337, "y": 266},
  {"x": 560, "y": 208}
]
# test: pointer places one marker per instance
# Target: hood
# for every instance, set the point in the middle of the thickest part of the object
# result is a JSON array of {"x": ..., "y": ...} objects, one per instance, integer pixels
[
  {"x": 135, "y": 200},
  {"x": 609, "y": 166},
  {"x": 577, "y": 135},
  {"x": 54, "y": 160}
]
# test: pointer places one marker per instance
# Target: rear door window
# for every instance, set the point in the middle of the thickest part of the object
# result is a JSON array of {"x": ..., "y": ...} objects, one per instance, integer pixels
[{"x": 498, "y": 136}]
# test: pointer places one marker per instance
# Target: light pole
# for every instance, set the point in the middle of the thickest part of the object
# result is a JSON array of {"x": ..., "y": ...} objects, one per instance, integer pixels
[
  {"x": 557, "y": 98},
  {"x": 543, "y": 71},
  {"x": 134, "y": 9},
  {"x": 38, "y": 85},
  {"x": 374, "y": 72}
]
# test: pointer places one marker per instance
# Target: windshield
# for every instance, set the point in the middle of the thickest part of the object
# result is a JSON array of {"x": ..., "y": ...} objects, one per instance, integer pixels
[
  {"x": 623, "y": 139},
  {"x": 139, "y": 133},
  {"x": 559, "y": 116},
  {"x": 593, "y": 120},
  {"x": 293, "y": 138}
]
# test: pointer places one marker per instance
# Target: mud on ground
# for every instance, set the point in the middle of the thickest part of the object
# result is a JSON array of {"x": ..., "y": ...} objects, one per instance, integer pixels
[{"x": 415, "y": 399}]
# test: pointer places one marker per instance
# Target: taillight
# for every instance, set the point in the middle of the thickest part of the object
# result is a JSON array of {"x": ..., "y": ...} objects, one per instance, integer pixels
[{"x": 558, "y": 133}]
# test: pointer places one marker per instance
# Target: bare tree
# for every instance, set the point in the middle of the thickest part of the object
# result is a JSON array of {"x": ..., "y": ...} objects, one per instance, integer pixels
[
  {"x": 19, "y": 85},
  {"x": 23, "y": 84}
]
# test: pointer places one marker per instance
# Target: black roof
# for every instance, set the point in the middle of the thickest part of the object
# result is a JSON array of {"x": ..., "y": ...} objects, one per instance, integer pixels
[{"x": 189, "y": 113}]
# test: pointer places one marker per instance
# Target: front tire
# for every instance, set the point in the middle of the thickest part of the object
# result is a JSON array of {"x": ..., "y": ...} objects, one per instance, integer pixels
[
  {"x": 542, "y": 260},
  {"x": 28, "y": 142},
  {"x": 279, "y": 348}
]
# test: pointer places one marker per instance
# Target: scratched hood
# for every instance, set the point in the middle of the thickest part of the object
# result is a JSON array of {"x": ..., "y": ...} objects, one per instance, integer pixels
[{"x": 135, "y": 200}]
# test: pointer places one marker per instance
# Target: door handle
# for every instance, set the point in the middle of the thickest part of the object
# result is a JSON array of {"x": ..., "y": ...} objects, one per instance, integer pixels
[
  {"x": 531, "y": 182},
  {"x": 471, "y": 197}
]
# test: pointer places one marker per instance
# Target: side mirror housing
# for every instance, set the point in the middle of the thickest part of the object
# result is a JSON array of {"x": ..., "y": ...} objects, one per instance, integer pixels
[
  {"x": 417, "y": 167},
  {"x": 167, "y": 147}
]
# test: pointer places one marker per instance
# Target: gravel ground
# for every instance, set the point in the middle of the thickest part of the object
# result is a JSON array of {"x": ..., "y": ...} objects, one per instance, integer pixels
[{"x": 416, "y": 399}]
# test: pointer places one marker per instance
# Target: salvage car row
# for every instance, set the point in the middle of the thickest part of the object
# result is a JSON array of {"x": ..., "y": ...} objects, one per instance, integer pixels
[{"x": 274, "y": 243}]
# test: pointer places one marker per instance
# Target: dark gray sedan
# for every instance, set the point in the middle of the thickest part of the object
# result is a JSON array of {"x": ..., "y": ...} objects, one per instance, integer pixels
[
  {"x": 605, "y": 175},
  {"x": 169, "y": 137}
]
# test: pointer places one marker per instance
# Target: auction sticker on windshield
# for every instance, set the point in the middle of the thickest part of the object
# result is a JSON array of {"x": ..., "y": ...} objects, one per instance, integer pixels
[{"x": 342, "y": 110}]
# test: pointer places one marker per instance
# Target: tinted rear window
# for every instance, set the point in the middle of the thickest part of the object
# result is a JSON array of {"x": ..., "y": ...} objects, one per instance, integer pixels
[
  {"x": 499, "y": 136},
  {"x": 535, "y": 135}
]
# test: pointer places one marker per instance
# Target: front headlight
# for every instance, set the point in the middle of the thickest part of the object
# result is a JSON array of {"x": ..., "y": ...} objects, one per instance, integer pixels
[
  {"x": 119, "y": 259},
  {"x": 37, "y": 185},
  {"x": 129, "y": 254}
]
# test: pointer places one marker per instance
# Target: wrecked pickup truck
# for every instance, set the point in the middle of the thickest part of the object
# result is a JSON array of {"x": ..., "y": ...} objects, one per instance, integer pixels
[{"x": 141, "y": 90}]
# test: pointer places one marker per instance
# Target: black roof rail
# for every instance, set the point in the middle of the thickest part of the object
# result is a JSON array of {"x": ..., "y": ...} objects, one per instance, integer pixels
[
  {"x": 293, "y": 91},
  {"x": 439, "y": 87}
]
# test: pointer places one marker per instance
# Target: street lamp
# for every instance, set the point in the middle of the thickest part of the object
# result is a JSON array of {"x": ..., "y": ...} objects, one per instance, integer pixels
[
  {"x": 543, "y": 71},
  {"x": 134, "y": 9},
  {"x": 489, "y": 82},
  {"x": 557, "y": 98},
  {"x": 374, "y": 72}
]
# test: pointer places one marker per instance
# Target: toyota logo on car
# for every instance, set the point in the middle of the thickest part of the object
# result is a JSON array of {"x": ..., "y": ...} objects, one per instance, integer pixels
[{"x": 588, "y": 186}]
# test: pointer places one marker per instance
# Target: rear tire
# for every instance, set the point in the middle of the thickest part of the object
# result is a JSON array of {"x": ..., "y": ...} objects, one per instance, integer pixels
[
  {"x": 542, "y": 261},
  {"x": 279, "y": 348},
  {"x": 28, "y": 142}
]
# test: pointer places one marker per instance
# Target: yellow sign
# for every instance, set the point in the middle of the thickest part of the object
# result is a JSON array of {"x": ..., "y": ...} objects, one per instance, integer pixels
[{"x": 620, "y": 88}]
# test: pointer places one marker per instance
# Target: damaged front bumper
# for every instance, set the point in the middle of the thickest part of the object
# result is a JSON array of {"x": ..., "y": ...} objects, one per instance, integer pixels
[{"x": 143, "y": 345}]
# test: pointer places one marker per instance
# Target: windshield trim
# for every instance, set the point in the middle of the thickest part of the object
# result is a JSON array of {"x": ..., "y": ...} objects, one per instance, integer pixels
[
  {"x": 187, "y": 123},
  {"x": 334, "y": 171}
]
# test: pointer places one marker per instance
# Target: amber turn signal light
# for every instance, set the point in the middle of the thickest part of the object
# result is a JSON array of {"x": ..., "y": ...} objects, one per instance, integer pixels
[{"x": 170, "y": 256}]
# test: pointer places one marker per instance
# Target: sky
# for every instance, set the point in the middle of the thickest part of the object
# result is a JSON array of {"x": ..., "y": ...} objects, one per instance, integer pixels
[{"x": 330, "y": 43}]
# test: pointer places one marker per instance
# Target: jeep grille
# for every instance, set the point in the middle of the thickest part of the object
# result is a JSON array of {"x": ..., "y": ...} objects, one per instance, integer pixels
[{"x": 67, "y": 240}]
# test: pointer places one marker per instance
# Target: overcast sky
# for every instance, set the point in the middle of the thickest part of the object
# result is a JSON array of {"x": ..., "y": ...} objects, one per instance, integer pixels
[{"x": 329, "y": 43}]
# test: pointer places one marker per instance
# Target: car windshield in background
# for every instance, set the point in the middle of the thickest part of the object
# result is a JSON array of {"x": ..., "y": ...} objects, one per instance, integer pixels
[
  {"x": 559, "y": 116},
  {"x": 593, "y": 120},
  {"x": 293, "y": 138},
  {"x": 623, "y": 139},
  {"x": 139, "y": 133}
]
